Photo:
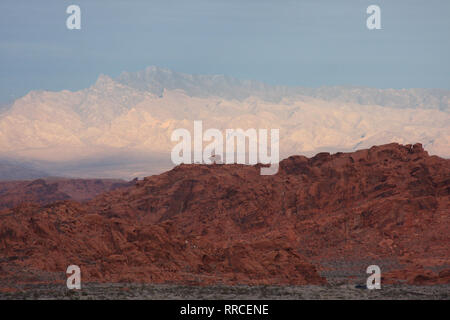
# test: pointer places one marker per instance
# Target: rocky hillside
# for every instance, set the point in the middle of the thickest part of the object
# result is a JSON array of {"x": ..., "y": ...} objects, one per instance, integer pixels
[
  {"x": 49, "y": 190},
  {"x": 197, "y": 224}
]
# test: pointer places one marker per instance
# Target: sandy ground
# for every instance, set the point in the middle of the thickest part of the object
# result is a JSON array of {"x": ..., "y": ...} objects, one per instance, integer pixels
[{"x": 165, "y": 292}]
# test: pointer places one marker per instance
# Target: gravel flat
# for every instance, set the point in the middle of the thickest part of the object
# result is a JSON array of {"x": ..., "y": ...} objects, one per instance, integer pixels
[{"x": 94, "y": 291}]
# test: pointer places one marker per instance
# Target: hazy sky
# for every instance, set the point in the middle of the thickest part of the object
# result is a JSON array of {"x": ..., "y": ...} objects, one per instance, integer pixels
[{"x": 307, "y": 43}]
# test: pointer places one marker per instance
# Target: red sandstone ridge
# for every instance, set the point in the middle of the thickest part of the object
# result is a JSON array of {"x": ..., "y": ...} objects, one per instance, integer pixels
[
  {"x": 205, "y": 224},
  {"x": 49, "y": 190}
]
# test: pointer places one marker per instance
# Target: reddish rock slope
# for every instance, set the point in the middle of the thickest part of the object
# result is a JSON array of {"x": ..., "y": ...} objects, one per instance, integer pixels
[
  {"x": 227, "y": 224},
  {"x": 48, "y": 190}
]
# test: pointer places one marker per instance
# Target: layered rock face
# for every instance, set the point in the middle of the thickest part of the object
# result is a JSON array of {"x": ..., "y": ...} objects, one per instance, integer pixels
[{"x": 211, "y": 224}]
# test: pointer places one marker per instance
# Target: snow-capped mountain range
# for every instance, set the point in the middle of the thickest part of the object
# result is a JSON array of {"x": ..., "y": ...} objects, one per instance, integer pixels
[{"x": 132, "y": 117}]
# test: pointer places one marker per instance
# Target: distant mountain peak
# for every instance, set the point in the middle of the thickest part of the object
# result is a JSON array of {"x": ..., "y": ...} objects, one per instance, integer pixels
[
  {"x": 155, "y": 79},
  {"x": 104, "y": 81},
  {"x": 137, "y": 112}
]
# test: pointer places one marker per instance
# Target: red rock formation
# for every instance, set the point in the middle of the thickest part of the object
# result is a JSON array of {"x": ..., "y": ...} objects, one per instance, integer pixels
[
  {"x": 117, "y": 249},
  {"x": 48, "y": 190},
  {"x": 228, "y": 224}
]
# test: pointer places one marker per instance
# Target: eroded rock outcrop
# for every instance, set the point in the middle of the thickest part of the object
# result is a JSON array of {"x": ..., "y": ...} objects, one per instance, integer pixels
[{"x": 200, "y": 224}]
